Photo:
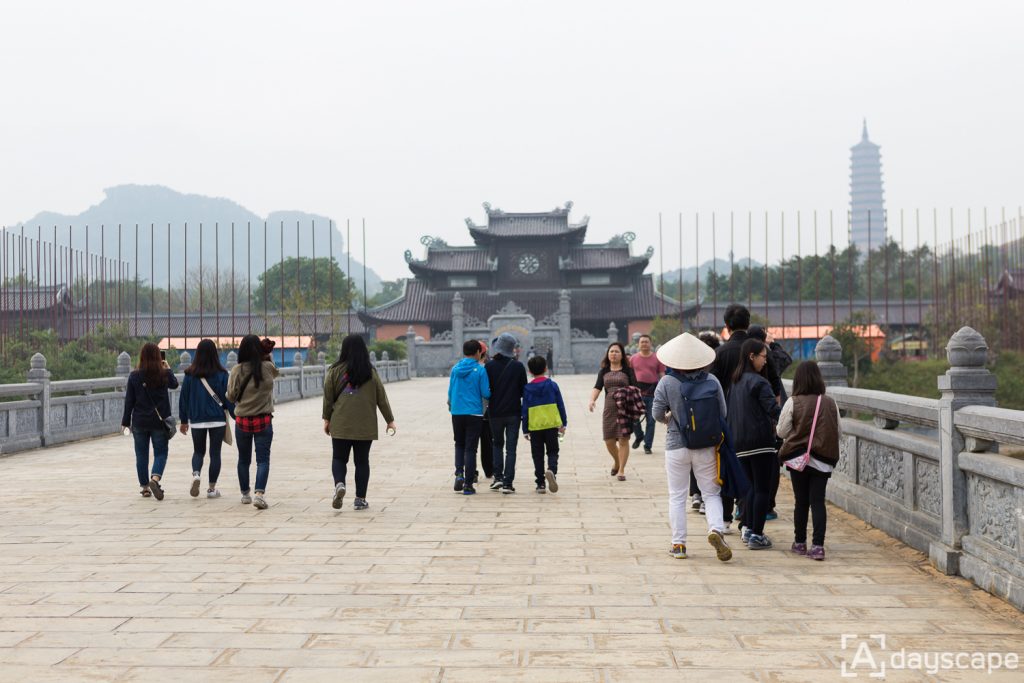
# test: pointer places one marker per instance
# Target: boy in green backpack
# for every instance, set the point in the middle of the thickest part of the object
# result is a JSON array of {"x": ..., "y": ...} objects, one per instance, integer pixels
[{"x": 544, "y": 422}]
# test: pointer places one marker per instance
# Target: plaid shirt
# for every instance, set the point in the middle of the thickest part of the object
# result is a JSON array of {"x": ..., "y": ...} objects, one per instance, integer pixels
[
  {"x": 629, "y": 405},
  {"x": 253, "y": 423}
]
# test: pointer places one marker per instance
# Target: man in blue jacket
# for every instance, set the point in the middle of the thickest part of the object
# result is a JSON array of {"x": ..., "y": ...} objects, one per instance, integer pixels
[{"x": 468, "y": 388}]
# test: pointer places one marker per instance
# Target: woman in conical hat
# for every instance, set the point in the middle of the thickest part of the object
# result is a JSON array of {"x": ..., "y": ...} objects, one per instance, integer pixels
[{"x": 694, "y": 431}]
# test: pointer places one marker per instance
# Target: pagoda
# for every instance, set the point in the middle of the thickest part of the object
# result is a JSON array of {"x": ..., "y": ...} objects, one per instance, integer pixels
[{"x": 867, "y": 204}]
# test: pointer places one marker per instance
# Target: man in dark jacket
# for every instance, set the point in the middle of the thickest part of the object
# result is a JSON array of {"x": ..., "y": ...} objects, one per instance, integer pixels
[
  {"x": 727, "y": 359},
  {"x": 507, "y": 377},
  {"x": 727, "y": 356}
]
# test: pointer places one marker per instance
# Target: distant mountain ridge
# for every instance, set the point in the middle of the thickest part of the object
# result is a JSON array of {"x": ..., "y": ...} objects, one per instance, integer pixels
[
  {"x": 156, "y": 205},
  {"x": 721, "y": 266}
]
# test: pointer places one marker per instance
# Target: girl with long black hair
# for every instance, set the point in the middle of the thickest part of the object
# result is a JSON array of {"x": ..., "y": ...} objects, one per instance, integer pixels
[
  {"x": 146, "y": 405},
  {"x": 353, "y": 393},
  {"x": 752, "y": 415},
  {"x": 251, "y": 388},
  {"x": 201, "y": 406}
]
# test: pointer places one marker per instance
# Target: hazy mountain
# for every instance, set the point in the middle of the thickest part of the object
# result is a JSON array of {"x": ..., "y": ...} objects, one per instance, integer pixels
[
  {"x": 146, "y": 205},
  {"x": 721, "y": 265}
]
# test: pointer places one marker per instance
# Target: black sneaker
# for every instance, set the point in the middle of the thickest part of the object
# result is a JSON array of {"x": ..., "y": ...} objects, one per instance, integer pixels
[
  {"x": 469, "y": 491},
  {"x": 158, "y": 491},
  {"x": 460, "y": 482},
  {"x": 508, "y": 489},
  {"x": 541, "y": 488},
  {"x": 496, "y": 485},
  {"x": 637, "y": 441},
  {"x": 648, "y": 451},
  {"x": 360, "y": 504}
]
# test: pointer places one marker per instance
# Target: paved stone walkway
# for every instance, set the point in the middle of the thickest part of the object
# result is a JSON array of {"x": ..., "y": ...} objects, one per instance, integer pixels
[{"x": 99, "y": 584}]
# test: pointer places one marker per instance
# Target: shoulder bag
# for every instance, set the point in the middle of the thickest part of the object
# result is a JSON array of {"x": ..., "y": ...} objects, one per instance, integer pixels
[
  {"x": 170, "y": 424},
  {"x": 227, "y": 415},
  {"x": 800, "y": 462}
]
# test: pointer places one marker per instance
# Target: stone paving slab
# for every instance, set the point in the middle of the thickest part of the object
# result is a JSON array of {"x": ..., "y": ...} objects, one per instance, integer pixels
[{"x": 99, "y": 584}]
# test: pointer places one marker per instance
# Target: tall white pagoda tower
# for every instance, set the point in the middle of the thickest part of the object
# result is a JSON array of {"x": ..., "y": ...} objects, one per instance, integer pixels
[{"x": 867, "y": 203}]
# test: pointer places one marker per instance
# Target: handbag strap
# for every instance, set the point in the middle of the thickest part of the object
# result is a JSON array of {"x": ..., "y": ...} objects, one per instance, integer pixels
[
  {"x": 814, "y": 424},
  {"x": 210, "y": 391},
  {"x": 152, "y": 402}
]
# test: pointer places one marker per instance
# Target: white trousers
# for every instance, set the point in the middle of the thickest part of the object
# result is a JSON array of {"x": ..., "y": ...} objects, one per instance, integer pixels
[{"x": 705, "y": 468}]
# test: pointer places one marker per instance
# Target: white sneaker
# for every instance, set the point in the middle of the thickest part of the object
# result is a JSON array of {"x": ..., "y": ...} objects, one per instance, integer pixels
[
  {"x": 194, "y": 491},
  {"x": 728, "y": 529},
  {"x": 214, "y": 493},
  {"x": 339, "y": 495},
  {"x": 246, "y": 499},
  {"x": 552, "y": 482},
  {"x": 259, "y": 502}
]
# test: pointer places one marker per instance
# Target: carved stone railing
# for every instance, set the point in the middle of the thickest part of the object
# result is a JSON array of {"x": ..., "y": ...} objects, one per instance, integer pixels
[
  {"x": 42, "y": 412},
  {"x": 946, "y": 475}
]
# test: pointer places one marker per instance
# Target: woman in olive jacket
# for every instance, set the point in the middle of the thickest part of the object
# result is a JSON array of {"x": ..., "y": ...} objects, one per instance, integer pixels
[{"x": 353, "y": 393}]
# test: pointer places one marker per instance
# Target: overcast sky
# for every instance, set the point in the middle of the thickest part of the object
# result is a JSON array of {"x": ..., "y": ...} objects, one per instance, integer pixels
[{"x": 413, "y": 113}]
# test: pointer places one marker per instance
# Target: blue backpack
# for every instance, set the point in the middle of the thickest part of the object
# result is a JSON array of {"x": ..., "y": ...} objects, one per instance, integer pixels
[{"x": 700, "y": 424}]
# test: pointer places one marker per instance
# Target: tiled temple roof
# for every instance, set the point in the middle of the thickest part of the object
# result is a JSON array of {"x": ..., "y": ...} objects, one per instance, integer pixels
[{"x": 420, "y": 305}]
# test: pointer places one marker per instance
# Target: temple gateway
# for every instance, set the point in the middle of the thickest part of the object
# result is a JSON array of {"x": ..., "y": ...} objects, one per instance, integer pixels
[{"x": 531, "y": 274}]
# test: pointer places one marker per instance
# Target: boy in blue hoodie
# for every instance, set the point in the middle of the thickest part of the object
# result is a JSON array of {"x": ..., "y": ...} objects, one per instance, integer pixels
[
  {"x": 468, "y": 388},
  {"x": 544, "y": 421}
]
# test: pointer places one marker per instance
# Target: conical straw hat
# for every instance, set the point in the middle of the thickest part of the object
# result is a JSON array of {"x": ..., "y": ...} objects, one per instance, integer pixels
[{"x": 686, "y": 352}]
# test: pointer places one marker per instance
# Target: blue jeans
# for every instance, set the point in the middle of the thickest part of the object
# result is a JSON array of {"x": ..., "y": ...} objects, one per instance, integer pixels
[
  {"x": 504, "y": 439},
  {"x": 245, "y": 441},
  {"x": 142, "y": 439},
  {"x": 216, "y": 435},
  {"x": 638, "y": 431}
]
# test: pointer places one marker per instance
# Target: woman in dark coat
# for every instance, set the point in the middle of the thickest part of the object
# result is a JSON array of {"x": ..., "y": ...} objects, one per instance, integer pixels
[
  {"x": 753, "y": 413},
  {"x": 147, "y": 404}
]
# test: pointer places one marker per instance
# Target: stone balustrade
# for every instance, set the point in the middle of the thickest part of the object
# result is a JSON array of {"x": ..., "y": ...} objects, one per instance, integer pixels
[
  {"x": 43, "y": 412},
  {"x": 946, "y": 475}
]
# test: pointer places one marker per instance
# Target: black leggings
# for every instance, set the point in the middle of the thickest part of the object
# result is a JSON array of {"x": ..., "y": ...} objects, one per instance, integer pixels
[
  {"x": 809, "y": 491},
  {"x": 339, "y": 464},
  {"x": 755, "y": 507}
]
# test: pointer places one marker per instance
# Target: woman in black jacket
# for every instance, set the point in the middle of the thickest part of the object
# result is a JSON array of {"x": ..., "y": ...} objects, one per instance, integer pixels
[
  {"x": 753, "y": 413},
  {"x": 146, "y": 405}
]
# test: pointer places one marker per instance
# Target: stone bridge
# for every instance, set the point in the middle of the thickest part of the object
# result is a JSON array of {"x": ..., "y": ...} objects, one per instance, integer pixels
[{"x": 99, "y": 584}]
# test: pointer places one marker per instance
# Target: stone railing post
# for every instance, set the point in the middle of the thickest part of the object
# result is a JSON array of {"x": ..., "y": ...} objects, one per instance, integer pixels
[
  {"x": 321, "y": 359},
  {"x": 300, "y": 364},
  {"x": 613, "y": 333},
  {"x": 410, "y": 347},
  {"x": 458, "y": 326},
  {"x": 232, "y": 360},
  {"x": 124, "y": 365},
  {"x": 829, "y": 354},
  {"x": 184, "y": 360},
  {"x": 967, "y": 382},
  {"x": 38, "y": 374},
  {"x": 564, "y": 364}
]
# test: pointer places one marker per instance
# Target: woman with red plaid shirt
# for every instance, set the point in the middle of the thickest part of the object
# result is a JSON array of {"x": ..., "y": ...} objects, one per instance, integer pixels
[{"x": 251, "y": 389}]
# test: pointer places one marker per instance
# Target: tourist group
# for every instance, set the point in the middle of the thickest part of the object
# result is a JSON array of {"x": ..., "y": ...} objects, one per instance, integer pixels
[
  {"x": 730, "y": 425},
  {"x": 211, "y": 399}
]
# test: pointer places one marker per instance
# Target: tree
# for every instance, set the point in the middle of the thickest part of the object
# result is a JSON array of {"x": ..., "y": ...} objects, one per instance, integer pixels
[
  {"x": 391, "y": 291},
  {"x": 852, "y": 335},
  {"x": 293, "y": 279}
]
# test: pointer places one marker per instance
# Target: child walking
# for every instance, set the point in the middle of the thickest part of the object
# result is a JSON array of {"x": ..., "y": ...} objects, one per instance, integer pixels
[
  {"x": 811, "y": 427},
  {"x": 544, "y": 421},
  {"x": 468, "y": 389}
]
